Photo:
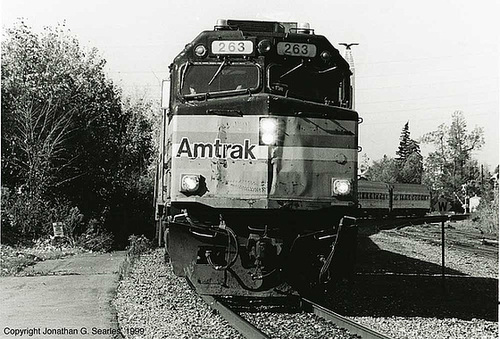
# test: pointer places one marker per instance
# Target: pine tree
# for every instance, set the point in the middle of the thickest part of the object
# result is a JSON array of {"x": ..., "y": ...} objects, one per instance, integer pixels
[
  {"x": 403, "y": 150},
  {"x": 410, "y": 160}
]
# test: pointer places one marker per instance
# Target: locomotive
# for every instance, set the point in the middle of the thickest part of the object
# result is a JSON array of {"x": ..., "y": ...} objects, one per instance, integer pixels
[{"x": 257, "y": 171}]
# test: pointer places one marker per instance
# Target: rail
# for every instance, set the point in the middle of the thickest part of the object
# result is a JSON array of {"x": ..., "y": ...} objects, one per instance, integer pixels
[
  {"x": 235, "y": 320},
  {"x": 402, "y": 221},
  {"x": 341, "y": 321}
]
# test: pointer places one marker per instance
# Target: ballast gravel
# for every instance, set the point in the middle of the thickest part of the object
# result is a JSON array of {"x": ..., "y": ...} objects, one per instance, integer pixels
[
  {"x": 296, "y": 326},
  {"x": 471, "y": 283},
  {"x": 152, "y": 302},
  {"x": 418, "y": 327}
]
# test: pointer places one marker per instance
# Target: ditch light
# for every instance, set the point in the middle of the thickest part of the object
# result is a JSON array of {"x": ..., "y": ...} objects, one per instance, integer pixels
[{"x": 341, "y": 186}]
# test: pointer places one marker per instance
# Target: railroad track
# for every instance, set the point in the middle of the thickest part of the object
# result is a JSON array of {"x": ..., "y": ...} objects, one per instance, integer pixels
[
  {"x": 397, "y": 222},
  {"x": 477, "y": 248},
  {"x": 474, "y": 243},
  {"x": 248, "y": 330},
  {"x": 341, "y": 321}
]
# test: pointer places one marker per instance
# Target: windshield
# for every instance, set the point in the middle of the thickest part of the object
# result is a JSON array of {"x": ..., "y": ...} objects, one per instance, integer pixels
[
  {"x": 220, "y": 77},
  {"x": 306, "y": 82}
]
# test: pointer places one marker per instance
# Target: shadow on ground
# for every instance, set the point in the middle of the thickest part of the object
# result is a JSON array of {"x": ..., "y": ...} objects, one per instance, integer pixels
[{"x": 389, "y": 284}]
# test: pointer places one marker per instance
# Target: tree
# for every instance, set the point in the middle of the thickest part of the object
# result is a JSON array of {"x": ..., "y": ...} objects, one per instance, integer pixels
[
  {"x": 52, "y": 67},
  {"x": 40, "y": 139},
  {"x": 410, "y": 172},
  {"x": 131, "y": 205},
  {"x": 364, "y": 165},
  {"x": 406, "y": 168},
  {"x": 450, "y": 167},
  {"x": 63, "y": 121},
  {"x": 385, "y": 170},
  {"x": 410, "y": 160},
  {"x": 403, "y": 150}
]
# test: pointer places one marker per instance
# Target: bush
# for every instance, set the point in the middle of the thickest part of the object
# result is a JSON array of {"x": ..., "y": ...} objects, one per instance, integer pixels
[
  {"x": 70, "y": 216},
  {"x": 138, "y": 245},
  {"x": 24, "y": 217},
  {"x": 487, "y": 215},
  {"x": 96, "y": 238}
]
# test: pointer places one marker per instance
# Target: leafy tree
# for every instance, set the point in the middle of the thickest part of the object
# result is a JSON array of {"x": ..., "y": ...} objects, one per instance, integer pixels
[
  {"x": 40, "y": 139},
  {"x": 364, "y": 164},
  {"x": 406, "y": 168},
  {"x": 131, "y": 205},
  {"x": 450, "y": 169},
  {"x": 410, "y": 172},
  {"x": 385, "y": 170},
  {"x": 52, "y": 67},
  {"x": 65, "y": 132}
]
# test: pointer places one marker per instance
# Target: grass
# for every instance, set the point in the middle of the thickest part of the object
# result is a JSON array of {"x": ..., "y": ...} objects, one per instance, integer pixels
[
  {"x": 13, "y": 260},
  {"x": 138, "y": 246}
]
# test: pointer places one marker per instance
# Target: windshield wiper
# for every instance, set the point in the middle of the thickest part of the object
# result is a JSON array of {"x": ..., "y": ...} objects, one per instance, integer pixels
[
  {"x": 291, "y": 70},
  {"x": 217, "y": 72},
  {"x": 327, "y": 70}
]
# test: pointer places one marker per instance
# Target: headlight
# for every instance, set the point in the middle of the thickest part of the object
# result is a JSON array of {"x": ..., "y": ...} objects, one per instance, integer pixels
[
  {"x": 341, "y": 187},
  {"x": 190, "y": 183},
  {"x": 268, "y": 131}
]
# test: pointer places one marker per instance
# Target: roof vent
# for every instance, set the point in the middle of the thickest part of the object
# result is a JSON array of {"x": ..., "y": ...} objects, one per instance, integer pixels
[{"x": 256, "y": 26}]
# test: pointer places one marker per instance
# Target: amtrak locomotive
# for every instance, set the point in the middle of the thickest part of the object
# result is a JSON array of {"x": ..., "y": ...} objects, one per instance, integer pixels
[{"x": 256, "y": 176}]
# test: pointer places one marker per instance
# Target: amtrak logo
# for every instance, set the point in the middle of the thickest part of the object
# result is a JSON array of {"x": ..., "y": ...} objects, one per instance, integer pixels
[{"x": 217, "y": 150}]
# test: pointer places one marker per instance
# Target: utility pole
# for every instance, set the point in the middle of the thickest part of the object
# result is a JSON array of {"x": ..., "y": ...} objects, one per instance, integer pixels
[{"x": 350, "y": 60}]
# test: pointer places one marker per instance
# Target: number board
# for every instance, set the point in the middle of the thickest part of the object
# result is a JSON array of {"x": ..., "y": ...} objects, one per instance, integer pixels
[
  {"x": 296, "y": 49},
  {"x": 232, "y": 47}
]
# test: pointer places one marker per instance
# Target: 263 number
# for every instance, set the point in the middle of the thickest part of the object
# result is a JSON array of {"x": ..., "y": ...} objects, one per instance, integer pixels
[
  {"x": 231, "y": 47},
  {"x": 296, "y": 49}
]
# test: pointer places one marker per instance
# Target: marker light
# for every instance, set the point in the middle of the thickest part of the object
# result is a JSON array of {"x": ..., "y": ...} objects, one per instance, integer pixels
[
  {"x": 341, "y": 187},
  {"x": 264, "y": 46},
  {"x": 190, "y": 183},
  {"x": 268, "y": 131},
  {"x": 200, "y": 51}
]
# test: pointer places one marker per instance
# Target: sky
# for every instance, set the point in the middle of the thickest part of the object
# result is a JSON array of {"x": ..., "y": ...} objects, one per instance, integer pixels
[{"x": 417, "y": 61}]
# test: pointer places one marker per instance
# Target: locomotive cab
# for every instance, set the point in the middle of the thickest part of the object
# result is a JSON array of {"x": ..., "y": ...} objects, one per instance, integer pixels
[{"x": 258, "y": 159}]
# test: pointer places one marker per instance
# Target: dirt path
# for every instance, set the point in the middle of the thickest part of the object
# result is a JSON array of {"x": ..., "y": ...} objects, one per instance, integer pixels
[{"x": 63, "y": 298}]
